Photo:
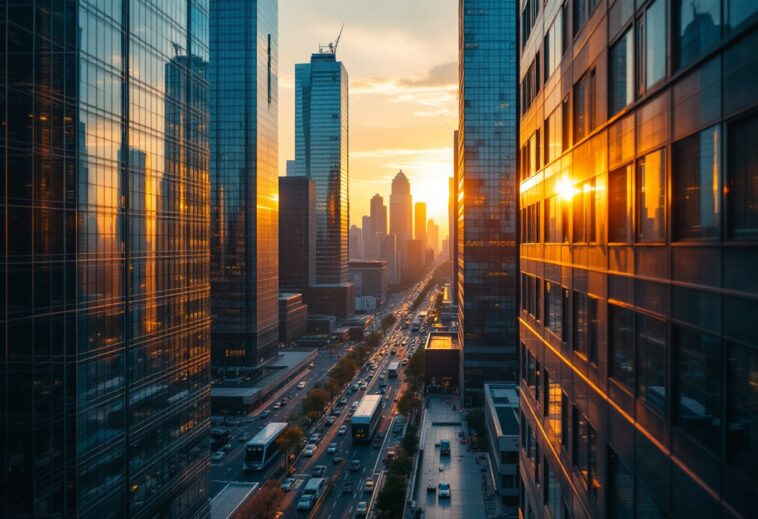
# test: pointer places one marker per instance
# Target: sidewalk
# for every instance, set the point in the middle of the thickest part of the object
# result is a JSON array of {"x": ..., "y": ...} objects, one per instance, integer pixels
[{"x": 460, "y": 469}]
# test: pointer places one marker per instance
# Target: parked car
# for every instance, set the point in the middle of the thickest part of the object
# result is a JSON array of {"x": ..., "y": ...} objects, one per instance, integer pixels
[
  {"x": 342, "y": 430},
  {"x": 283, "y": 402},
  {"x": 315, "y": 438},
  {"x": 342, "y": 401},
  {"x": 287, "y": 484}
]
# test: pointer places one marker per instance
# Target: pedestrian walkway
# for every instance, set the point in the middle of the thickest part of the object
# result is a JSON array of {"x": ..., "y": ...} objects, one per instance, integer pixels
[{"x": 460, "y": 469}]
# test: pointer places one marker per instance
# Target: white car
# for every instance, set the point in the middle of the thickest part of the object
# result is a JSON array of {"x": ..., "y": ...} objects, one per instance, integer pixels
[
  {"x": 217, "y": 456},
  {"x": 444, "y": 490},
  {"x": 305, "y": 503},
  {"x": 332, "y": 448},
  {"x": 361, "y": 509},
  {"x": 301, "y": 385},
  {"x": 310, "y": 450},
  {"x": 342, "y": 430}
]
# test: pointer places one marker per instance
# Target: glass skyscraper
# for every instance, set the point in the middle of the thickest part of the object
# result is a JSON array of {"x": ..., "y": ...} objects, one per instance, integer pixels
[
  {"x": 401, "y": 221},
  {"x": 105, "y": 318},
  {"x": 244, "y": 182},
  {"x": 488, "y": 188},
  {"x": 321, "y": 153},
  {"x": 639, "y": 247}
]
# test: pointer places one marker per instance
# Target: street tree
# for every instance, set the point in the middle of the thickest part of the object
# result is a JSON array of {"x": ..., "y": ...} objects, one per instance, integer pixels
[
  {"x": 289, "y": 440},
  {"x": 264, "y": 503}
]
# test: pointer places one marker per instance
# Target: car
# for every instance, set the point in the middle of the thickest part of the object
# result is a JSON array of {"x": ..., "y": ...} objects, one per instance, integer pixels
[
  {"x": 354, "y": 387},
  {"x": 319, "y": 471},
  {"x": 342, "y": 401},
  {"x": 332, "y": 448},
  {"x": 361, "y": 509},
  {"x": 243, "y": 436},
  {"x": 277, "y": 405},
  {"x": 283, "y": 402},
  {"x": 305, "y": 502},
  {"x": 369, "y": 485},
  {"x": 342, "y": 430},
  {"x": 355, "y": 465},
  {"x": 336, "y": 459},
  {"x": 217, "y": 456},
  {"x": 393, "y": 351},
  {"x": 347, "y": 488},
  {"x": 363, "y": 386},
  {"x": 287, "y": 484},
  {"x": 331, "y": 419},
  {"x": 264, "y": 414},
  {"x": 376, "y": 443},
  {"x": 312, "y": 365},
  {"x": 301, "y": 385},
  {"x": 444, "y": 490},
  {"x": 310, "y": 450},
  {"x": 404, "y": 362},
  {"x": 227, "y": 447},
  {"x": 389, "y": 456},
  {"x": 349, "y": 417},
  {"x": 315, "y": 438}
]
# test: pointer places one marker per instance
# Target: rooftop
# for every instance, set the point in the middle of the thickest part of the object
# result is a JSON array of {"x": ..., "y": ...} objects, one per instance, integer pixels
[
  {"x": 442, "y": 341},
  {"x": 227, "y": 502}
]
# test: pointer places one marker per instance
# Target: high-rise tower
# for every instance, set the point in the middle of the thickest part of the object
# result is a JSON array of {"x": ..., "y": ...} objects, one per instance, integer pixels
[
  {"x": 244, "y": 182},
  {"x": 105, "y": 319},
  {"x": 401, "y": 218}
]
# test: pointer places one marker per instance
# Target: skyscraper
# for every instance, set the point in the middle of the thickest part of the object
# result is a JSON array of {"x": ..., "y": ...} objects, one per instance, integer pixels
[
  {"x": 639, "y": 246},
  {"x": 401, "y": 218},
  {"x": 106, "y": 313},
  {"x": 355, "y": 242},
  {"x": 378, "y": 225},
  {"x": 433, "y": 236},
  {"x": 244, "y": 182},
  {"x": 419, "y": 223},
  {"x": 453, "y": 222},
  {"x": 487, "y": 186},
  {"x": 321, "y": 153},
  {"x": 367, "y": 234},
  {"x": 297, "y": 234}
]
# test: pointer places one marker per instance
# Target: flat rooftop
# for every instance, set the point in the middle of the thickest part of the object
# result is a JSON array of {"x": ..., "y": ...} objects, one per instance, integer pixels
[
  {"x": 227, "y": 502},
  {"x": 442, "y": 341}
]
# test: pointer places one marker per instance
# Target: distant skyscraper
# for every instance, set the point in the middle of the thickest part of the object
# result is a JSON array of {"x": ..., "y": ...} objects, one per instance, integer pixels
[
  {"x": 244, "y": 182},
  {"x": 378, "y": 214},
  {"x": 419, "y": 223},
  {"x": 433, "y": 236},
  {"x": 297, "y": 233},
  {"x": 487, "y": 180},
  {"x": 639, "y": 247},
  {"x": 355, "y": 238},
  {"x": 401, "y": 218},
  {"x": 321, "y": 153},
  {"x": 367, "y": 238},
  {"x": 105, "y": 292},
  {"x": 388, "y": 253}
]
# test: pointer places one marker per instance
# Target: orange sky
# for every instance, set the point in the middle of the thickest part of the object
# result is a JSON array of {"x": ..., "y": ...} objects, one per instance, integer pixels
[{"x": 401, "y": 57}]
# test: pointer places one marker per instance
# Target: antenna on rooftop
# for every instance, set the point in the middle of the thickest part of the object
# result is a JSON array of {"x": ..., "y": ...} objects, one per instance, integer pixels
[{"x": 331, "y": 47}]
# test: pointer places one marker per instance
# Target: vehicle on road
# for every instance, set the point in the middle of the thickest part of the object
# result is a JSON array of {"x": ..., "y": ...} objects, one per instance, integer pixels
[
  {"x": 332, "y": 448},
  {"x": 337, "y": 411},
  {"x": 363, "y": 386},
  {"x": 315, "y": 438},
  {"x": 347, "y": 488},
  {"x": 287, "y": 484},
  {"x": 337, "y": 459},
  {"x": 218, "y": 456},
  {"x": 369, "y": 486},
  {"x": 444, "y": 490},
  {"x": 393, "y": 369},
  {"x": 263, "y": 447},
  {"x": 389, "y": 456},
  {"x": 243, "y": 436},
  {"x": 361, "y": 509},
  {"x": 444, "y": 447},
  {"x": 305, "y": 503},
  {"x": 355, "y": 465},
  {"x": 331, "y": 419},
  {"x": 277, "y": 405},
  {"x": 315, "y": 487},
  {"x": 220, "y": 436},
  {"x": 404, "y": 362},
  {"x": 342, "y": 430},
  {"x": 264, "y": 414},
  {"x": 319, "y": 470},
  {"x": 301, "y": 385},
  {"x": 366, "y": 418},
  {"x": 283, "y": 402},
  {"x": 342, "y": 401},
  {"x": 310, "y": 450}
]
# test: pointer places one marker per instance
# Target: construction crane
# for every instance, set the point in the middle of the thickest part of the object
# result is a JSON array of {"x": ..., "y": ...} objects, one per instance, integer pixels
[{"x": 331, "y": 47}]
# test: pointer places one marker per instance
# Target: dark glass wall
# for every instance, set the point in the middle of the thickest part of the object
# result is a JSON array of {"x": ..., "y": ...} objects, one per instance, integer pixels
[
  {"x": 297, "y": 233},
  {"x": 244, "y": 181},
  {"x": 105, "y": 311}
]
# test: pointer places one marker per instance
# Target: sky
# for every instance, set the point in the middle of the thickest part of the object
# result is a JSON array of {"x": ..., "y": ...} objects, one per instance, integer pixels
[{"x": 401, "y": 57}]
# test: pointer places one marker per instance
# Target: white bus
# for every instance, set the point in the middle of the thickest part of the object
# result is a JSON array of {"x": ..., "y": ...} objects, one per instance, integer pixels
[
  {"x": 263, "y": 447},
  {"x": 393, "y": 368},
  {"x": 367, "y": 416}
]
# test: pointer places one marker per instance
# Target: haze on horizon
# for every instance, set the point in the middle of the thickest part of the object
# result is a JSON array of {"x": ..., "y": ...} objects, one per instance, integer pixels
[{"x": 401, "y": 59}]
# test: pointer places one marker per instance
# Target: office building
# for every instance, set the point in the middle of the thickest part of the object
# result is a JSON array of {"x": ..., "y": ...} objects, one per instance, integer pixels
[
  {"x": 367, "y": 235},
  {"x": 415, "y": 259},
  {"x": 401, "y": 219},
  {"x": 321, "y": 154},
  {"x": 487, "y": 194},
  {"x": 388, "y": 254},
  {"x": 297, "y": 233},
  {"x": 501, "y": 417},
  {"x": 244, "y": 182},
  {"x": 639, "y": 136},
  {"x": 419, "y": 224},
  {"x": 293, "y": 317},
  {"x": 370, "y": 279},
  {"x": 355, "y": 242},
  {"x": 453, "y": 221},
  {"x": 106, "y": 299},
  {"x": 378, "y": 214},
  {"x": 433, "y": 236}
]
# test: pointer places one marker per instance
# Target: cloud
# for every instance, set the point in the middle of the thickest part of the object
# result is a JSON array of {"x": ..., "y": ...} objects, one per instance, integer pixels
[{"x": 445, "y": 74}]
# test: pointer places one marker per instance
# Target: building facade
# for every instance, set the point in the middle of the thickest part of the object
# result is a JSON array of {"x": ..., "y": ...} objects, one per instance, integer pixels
[
  {"x": 419, "y": 223},
  {"x": 433, "y": 236},
  {"x": 453, "y": 220},
  {"x": 370, "y": 279},
  {"x": 378, "y": 214},
  {"x": 487, "y": 194},
  {"x": 244, "y": 182},
  {"x": 388, "y": 254},
  {"x": 639, "y": 139},
  {"x": 293, "y": 317},
  {"x": 105, "y": 287},
  {"x": 321, "y": 154},
  {"x": 501, "y": 417},
  {"x": 297, "y": 233},
  {"x": 401, "y": 219},
  {"x": 355, "y": 242}
]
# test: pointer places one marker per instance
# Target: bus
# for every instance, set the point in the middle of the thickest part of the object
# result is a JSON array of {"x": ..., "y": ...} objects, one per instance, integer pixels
[
  {"x": 263, "y": 447},
  {"x": 393, "y": 368},
  {"x": 220, "y": 436},
  {"x": 367, "y": 416}
]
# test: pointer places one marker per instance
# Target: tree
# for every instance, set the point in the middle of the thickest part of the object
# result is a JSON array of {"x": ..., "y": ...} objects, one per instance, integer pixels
[
  {"x": 263, "y": 504},
  {"x": 289, "y": 440},
  {"x": 415, "y": 372},
  {"x": 391, "y": 499},
  {"x": 401, "y": 465},
  {"x": 388, "y": 321},
  {"x": 314, "y": 402},
  {"x": 408, "y": 402},
  {"x": 373, "y": 340},
  {"x": 410, "y": 440}
]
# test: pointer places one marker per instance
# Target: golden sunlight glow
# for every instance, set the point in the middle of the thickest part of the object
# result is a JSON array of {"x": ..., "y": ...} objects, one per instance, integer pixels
[{"x": 565, "y": 189}]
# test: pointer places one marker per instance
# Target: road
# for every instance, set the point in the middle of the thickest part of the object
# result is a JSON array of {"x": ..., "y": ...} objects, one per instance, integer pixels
[{"x": 336, "y": 504}]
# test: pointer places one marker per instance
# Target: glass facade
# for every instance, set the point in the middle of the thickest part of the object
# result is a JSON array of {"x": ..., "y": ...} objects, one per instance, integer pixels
[
  {"x": 104, "y": 276},
  {"x": 640, "y": 225},
  {"x": 321, "y": 153},
  {"x": 401, "y": 220},
  {"x": 244, "y": 182},
  {"x": 297, "y": 233},
  {"x": 487, "y": 192}
]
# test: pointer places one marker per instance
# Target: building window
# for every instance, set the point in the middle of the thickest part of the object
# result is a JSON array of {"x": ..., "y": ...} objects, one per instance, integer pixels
[
  {"x": 652, "y": 355},
  {"x": 743, "y": 178},
  {"x": 554, "y": 411},
  {"x": 554, "y": 45},
  {"x": 594, "y": 332},
  {"x": 531, "y": 373},
  {"x": 552, "y": 139},
  {"x": 580, "y": 15},
  {"x": 552, "y": 498},
  {"x": 553, "y": 220},
  {"x": 530, "y": 86},
  {"x": 651, "y": 44},
  {"x": 584, "y": 102},
  {"x": 565, "y": 124},
  {"x": 621, "y": 73},
  {"x": 742, "y": 410},
  {"x": 739, "y": 11},
  {"x": 554, "y": 308},
  {"x": 698, "y": 386},
  {"x": 651, "y": 197},
  {"x": 621, "y": 342},
  {"x": 564, "y": 430},
  {"x": 585, "y": 451},
  {"x": 585, "y": 213},
  {"x": 620, "y": 489},
  {"x": 528, "y": 17},
  {"x": 698, "y": 29},
  {"x": 696, "y": 184},
  {"x": 581, "y": 323},
  {"x": 619, "y": 205}
]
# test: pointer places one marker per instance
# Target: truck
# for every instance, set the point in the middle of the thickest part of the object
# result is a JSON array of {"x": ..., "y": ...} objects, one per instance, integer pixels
[{"x": 393, "y": 368}]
